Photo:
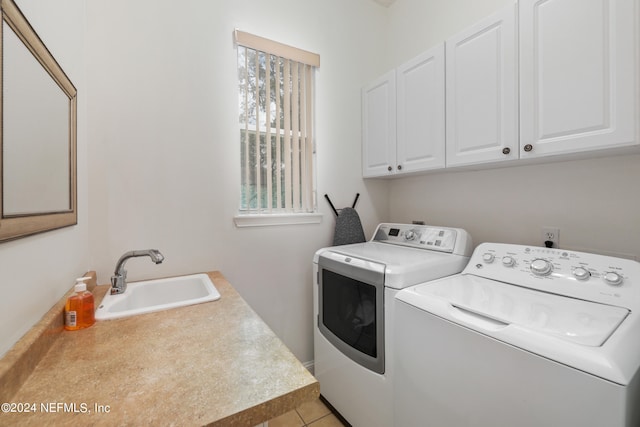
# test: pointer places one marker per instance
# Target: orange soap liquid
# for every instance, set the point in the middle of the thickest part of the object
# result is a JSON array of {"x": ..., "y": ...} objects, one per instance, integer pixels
[{"x": 83, "y": 306}]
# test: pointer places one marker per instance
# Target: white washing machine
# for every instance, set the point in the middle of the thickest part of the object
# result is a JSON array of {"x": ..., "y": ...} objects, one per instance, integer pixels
[
  {"x": 524, "y": 336},
  {"x": 354, "y": 292}
]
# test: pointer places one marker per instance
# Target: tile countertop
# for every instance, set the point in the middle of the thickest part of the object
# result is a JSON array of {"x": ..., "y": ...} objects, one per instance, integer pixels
[{"x": 215, "y": 364}]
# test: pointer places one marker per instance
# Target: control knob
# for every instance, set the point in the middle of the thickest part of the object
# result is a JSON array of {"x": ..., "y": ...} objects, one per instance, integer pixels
[
  {"x": 488, "y": 258},
  {"x": 581, "y": 273},
  {"x": 410, "y": 235},
  {"x": 508, "y": 261},
  {"x": 541, "y": 267},
  {"x": 612, "y": 278}
]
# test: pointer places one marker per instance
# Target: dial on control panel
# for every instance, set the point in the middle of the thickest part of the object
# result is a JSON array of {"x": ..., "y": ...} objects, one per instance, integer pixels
[
  {"x": 508, "y": 261},
  {"x": 581, "y": 273},
  {"x": 488, "y": 258},
  {"x": 612, "y": 278},
  {"x": 541, "y": 267}
]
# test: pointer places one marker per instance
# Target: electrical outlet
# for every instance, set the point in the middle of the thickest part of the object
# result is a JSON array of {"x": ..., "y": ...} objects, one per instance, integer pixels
[{"x": 551, "y": 234}]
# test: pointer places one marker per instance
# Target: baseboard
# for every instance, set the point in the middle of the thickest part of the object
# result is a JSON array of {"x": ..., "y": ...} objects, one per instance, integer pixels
[{"x": 310, "y": 365}]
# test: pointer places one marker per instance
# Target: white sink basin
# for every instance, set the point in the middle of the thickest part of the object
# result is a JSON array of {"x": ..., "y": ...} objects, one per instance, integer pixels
[{"x": 156, "y": 295}]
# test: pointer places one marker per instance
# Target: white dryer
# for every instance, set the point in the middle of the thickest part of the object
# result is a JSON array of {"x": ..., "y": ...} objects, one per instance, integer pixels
[
  {"x": 354, "y": 292},
  {"x": 524, "y": 336}
]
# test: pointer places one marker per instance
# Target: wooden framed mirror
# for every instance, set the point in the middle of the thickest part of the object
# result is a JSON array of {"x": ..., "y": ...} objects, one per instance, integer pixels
[{"x": 38, "y": 126}]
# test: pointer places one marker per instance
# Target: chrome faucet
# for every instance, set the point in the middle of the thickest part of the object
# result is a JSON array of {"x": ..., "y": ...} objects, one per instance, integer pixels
[{"x": 119, "y": 278}]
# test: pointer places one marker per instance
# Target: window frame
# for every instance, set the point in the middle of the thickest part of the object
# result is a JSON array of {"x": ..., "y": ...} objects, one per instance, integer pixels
[{"x": 301, "y": 129}]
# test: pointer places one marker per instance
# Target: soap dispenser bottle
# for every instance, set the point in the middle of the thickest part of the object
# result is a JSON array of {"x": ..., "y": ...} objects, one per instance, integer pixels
[{"x": 79, "y": 311}]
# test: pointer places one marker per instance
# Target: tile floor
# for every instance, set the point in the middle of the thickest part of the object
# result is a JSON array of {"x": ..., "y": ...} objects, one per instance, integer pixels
[{"x": 310, "y": 414}]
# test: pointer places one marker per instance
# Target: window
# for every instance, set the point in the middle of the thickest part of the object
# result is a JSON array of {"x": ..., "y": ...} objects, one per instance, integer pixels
[{"x": 276, "y": 121}]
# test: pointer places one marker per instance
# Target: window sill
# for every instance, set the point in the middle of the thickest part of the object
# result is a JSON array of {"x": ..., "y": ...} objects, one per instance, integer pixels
[{"x": 252, "y": 220}]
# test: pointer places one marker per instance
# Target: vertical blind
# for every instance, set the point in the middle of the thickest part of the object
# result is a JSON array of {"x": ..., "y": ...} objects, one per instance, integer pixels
[{"x": 276, "y": 125}]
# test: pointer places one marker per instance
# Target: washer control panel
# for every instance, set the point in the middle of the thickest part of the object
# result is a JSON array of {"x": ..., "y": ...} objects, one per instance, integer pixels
[
  {"x": 441, "y": 239},
  {"x": 577, "y": 274}
]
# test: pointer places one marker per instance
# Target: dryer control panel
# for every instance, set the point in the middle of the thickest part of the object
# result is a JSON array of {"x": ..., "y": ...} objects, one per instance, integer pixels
[
  {"x": 442, "y": 239},
  {"x": 581, "y": 275}
]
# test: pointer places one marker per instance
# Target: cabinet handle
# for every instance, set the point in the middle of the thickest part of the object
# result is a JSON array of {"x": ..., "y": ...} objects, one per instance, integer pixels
[
  {"x": 389, "y": 168},
  {"x": 399, "y": 167},
  {"x": 528, "y": 147},
  {"x": 506, "y": 150}
]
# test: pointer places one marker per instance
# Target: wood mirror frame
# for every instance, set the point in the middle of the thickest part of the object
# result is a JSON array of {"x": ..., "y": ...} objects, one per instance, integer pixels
[{"x": 14, "y": 226}]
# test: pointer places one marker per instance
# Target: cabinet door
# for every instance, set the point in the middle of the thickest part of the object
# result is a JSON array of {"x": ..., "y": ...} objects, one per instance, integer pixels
[
  {"x": 577, "y": 75},
  {"x": 420, "y": 118},
  {"x": 482, "y": 94},
  {"x": 379, "y": 126}
]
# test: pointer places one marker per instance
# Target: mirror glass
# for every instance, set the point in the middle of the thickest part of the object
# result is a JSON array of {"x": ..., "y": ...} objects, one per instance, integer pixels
[
  {"x": 38, "y": 116},
  {"x": 35, "y": 134}
]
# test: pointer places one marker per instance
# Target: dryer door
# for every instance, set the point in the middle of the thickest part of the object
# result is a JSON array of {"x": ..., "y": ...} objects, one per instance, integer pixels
[{"x": 351, "y": 307}]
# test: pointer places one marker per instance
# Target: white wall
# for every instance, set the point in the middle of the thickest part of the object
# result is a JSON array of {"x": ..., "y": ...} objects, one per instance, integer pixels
[
  {"x": 164, "y": 157},
  {"x": 416, "y": 25},
  {"x": 594, "y": 202},
  {"x": 35, "y": 272}
]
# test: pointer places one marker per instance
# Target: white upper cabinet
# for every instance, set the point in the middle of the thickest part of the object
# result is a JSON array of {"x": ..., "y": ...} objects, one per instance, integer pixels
[
  {"x": 420, "y": 113},
  {"x": 482, "y": 91},
  {"x": 379, "y": 126},
  {"x": 403, "y": 118},
  {"x": 538, "y": 78},
  {"x": 577, "y": 75}
]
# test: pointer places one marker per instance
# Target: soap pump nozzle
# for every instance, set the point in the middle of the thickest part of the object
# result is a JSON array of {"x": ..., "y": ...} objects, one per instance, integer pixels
[{"x": 81, "y": 285}]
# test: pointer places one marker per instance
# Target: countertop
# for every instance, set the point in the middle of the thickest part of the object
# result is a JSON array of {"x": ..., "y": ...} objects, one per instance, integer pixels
[{"x": 215, "y": 363}]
